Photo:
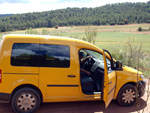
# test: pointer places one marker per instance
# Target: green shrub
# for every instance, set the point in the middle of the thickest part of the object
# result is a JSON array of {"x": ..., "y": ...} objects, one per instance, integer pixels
[
  {"x": 45, "y": 32},
  {"x": 31, "y": 31},
  {"x": 112, "y": 23},
  {"x": 90, "y": 34},
  {"x": 121, "y": 23},
  {"x": 139, "y": 29},
  {"x": 56, "y": 27},
  {"x": 126, "y": 21},
  {"x": 129, "y": 52}
]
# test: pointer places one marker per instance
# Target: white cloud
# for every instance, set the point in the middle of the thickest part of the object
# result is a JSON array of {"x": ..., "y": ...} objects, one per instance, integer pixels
[
  {"x": 24, "y": 8},
  {"x": 14, "y": 1},
  {"x": 43, "y": 1}
]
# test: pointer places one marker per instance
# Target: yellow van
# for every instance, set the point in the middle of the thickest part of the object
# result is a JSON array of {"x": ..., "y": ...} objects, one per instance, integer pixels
[{"x": 36, "y": 69}]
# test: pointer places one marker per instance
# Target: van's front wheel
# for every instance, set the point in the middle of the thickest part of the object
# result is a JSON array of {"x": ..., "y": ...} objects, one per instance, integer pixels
[
  {"x": 127, "y": 95},
  {"x": 26, "y": 100}
]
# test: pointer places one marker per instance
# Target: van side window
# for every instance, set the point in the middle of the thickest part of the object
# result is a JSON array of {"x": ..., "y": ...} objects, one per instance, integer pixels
[
  {"x": 40, "y": 55},
  {"x": 25, "y": 54},
  {"x": 54, "y": 55}
]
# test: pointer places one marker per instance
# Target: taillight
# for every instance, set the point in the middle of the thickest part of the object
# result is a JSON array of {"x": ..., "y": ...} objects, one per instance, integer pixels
[{"x": 0, "y": 76}]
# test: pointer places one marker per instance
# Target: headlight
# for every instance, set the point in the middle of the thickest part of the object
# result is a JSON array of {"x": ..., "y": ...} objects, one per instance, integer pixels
[{"x": 142, "y": 77}]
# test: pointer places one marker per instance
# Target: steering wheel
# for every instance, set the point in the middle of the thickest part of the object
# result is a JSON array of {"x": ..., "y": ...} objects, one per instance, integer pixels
[{"x": 88, "y": 64}]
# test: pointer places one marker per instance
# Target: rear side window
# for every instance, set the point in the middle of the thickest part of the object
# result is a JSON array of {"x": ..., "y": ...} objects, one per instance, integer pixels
[
  {"x": 43, "y": 55},
  {"x": 54, "y": 55},
  {"x": 25, "y": 54}
]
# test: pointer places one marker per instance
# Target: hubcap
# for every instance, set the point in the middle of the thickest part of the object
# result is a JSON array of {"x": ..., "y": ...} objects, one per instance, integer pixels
[
  {"x": 128, "y": 96},
  {"x": 26, "y": 102}
]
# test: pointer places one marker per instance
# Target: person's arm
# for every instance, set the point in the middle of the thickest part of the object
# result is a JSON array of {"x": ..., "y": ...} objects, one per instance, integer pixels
[
  {"x": 87, "y": 72},
  {"x": 86, "y": 59}
]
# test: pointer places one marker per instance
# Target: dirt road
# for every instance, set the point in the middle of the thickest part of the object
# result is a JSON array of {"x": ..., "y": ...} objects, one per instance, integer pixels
[
  {"x": 82, "y": 107},
  {"x": 86, "y": 107}
]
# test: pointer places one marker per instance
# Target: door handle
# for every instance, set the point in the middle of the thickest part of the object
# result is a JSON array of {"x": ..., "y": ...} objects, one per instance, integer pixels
[
  {"x": 110, "y": 82},
  {"x": 71, "y": 76}
]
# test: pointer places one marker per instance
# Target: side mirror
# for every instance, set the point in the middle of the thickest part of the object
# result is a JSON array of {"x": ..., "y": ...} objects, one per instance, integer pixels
[{"x": 119, "y": 65}]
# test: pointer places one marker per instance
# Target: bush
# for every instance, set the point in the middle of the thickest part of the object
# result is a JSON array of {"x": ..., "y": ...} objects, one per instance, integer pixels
[
  {"x": 90, "y": 34},
  {"x": 31, "y": 31},
  {"x": 121, "y": 23},
  {"x": 139, "y": 29},
  {"x": 45, "y": 32},
  {"x": 84, "y": 38},
  {"x": 56, "y": 27},
  {"x": 112, "y": 23},
  {"x": 129, "y": 52},
  {"x": 3, "y": 28},
  {"x": 126, "y": 21}
]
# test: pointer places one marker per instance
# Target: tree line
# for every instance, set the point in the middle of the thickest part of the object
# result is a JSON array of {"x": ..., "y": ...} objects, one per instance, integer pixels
[
  {"x": 119, "y": 13},
  {"x": 4, "y": 15}
]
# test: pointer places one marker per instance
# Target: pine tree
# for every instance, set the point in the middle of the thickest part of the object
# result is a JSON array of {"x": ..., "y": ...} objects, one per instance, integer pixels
[{"x": 50, "y": 24}]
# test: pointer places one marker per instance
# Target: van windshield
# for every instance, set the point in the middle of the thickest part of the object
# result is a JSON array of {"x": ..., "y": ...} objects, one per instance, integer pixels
[
  {"x": 97, "y": 56},
  {"x": 94, "y": 54}
]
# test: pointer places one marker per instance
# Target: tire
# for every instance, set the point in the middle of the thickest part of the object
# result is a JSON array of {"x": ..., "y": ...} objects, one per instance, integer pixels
[
  {"x": 127, "y": 95},
  {"x": 25, "y": 100}
]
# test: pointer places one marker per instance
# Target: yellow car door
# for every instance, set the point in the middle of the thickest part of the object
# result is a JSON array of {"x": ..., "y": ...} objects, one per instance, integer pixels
[
  {"x": 59, "y": 78},
  {"x": 109, "y": 82}
]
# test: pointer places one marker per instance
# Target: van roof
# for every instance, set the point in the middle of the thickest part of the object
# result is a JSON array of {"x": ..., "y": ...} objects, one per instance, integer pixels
[
  {"x": 67, "y": 39},
  {"x": 35, "y": 36},
  {"x": 44, "y": 37}
]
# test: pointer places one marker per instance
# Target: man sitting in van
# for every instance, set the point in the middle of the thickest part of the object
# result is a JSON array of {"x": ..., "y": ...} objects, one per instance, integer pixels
[
  {"x": 83, "y": 72},
  {"x": 86, "y": 81},
  {"x": 86, "y": 76}
]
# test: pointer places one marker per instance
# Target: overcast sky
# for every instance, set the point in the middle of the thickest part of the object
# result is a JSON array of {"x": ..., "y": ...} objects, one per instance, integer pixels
[{"x": 25, "y": 6}]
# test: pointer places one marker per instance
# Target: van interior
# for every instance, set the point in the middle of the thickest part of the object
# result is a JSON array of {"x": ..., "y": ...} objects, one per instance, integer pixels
[{"x": 92, "y": 62}]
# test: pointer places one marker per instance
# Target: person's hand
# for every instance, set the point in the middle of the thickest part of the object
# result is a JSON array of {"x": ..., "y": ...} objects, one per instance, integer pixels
[
  {"x": 88, "y": 73},
  {"x": 89, "y": 57}
]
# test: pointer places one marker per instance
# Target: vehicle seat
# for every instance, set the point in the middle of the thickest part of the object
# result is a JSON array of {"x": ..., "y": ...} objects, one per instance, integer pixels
[{"x": 87, "y": 84}]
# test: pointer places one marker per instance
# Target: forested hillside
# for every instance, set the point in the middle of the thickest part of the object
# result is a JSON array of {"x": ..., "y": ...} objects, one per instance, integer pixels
[
  {"x": 4, "y": 15},
  {"x": 121, "y": 13}
]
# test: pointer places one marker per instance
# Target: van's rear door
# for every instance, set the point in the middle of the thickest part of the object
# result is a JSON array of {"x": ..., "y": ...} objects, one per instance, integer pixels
[{"x": 109, "y": 83}]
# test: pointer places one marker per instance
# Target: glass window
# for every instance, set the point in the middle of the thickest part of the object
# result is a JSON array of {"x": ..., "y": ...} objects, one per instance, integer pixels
[
  {"x": 98, "y": 58},
  {"x": 25, "y": 54},
  {"x": 54, "y": 55}
]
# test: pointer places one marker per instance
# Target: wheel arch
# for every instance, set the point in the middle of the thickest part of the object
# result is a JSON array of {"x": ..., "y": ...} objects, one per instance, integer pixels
[
  {"x": 27, "y": 86},
  {"x": 132, "y": 83}
]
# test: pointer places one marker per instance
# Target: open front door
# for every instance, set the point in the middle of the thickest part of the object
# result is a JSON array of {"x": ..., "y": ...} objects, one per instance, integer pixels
[{"x": 109, "y": 82}]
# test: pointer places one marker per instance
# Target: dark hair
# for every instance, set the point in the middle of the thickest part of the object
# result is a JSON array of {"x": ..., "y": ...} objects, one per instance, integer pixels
[{"x": 81, "y": 54}]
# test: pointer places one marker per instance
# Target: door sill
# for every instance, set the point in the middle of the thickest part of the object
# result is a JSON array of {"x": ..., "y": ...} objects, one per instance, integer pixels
[{"x": 92, "y": 93}]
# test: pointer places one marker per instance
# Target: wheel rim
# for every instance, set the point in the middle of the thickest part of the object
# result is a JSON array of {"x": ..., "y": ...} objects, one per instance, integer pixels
[
  {"x": 26, "y": 102},
  {"x": 129, "y": 96}
]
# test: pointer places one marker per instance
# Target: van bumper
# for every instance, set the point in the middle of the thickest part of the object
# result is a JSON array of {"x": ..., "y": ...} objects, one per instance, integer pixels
[
  {"x": 141, "y": 88},
  {"x": 5, "y": 97}
]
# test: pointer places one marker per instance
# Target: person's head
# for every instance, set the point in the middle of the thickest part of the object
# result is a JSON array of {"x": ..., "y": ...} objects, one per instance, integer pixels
[{"x": 81, "y": 55}]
